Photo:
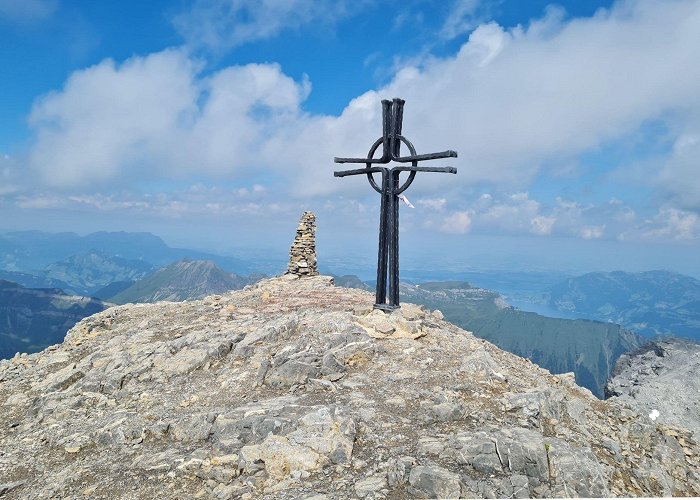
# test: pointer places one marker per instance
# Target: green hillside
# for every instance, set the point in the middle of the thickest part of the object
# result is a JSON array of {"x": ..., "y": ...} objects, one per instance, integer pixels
[{"x": 32, "y": 319}]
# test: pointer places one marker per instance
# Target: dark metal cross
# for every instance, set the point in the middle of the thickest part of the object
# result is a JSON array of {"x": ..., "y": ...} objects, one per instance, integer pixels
[{"x": 390, "y": 189}]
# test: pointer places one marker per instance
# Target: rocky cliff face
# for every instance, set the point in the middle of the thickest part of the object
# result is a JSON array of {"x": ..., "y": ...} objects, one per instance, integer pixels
[
  {"x": 661, "y": 379},
  {"x": 293, "y": 388}
]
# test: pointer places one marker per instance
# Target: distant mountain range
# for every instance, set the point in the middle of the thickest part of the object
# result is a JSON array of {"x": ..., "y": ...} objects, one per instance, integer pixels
[
  {"x": 183, "y": 280},
  {"x": 587, "y": 348},
  {"x": 32, "y": 251},
  {"x": 32, "y": 319},
  {"x": 83, "y": 274},
  {"x": 650, "y": 303},
  {"x": 48, "y": 280},
  {"x": 351, "y": 281}
]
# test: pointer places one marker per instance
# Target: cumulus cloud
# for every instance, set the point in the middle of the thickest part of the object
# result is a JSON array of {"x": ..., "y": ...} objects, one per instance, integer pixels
[
  {"x": 620, "y": 212},
  {"x": 514, "y": 213},
  {"x": 542, "y": 225},
  {"x": 518, "y": 213},
  {"x": 436, "y": 204},
  {"x": 143, "y": 119},
  {"x": 197, "y": 200},
  {"x": 680, "y": 176},
  {"x": 461, "y": 18},
  {"x": 457, "y": 223},
  {"x": 672, "y": 224},
  {"x": 225, "y": 24},
  {"x": 592, "y": 232},
  {"x": 510, "y": 102}
]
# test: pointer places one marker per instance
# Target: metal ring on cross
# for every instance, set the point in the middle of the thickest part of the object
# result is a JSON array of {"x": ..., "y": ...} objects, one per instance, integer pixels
[{"x": 411, "y": 175}]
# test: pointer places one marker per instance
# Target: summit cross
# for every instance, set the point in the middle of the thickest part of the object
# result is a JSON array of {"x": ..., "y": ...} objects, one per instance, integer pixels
[{"x": 390, "y": 189}]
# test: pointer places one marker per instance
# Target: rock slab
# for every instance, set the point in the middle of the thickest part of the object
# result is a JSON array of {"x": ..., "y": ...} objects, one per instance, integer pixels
[{"x": 293, "y": 388}]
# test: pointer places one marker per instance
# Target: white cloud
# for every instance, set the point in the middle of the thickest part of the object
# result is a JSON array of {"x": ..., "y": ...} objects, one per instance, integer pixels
[
  {"x": 142, "y": 119},
  {"x": 547, "y": 97},
  {"x": 460, "y": 19},
  {"x": 672, "y": 224},
  {"x": 680, "y": 177},
  {"x": 196, "y": 201},
  {"x": 510, "y": 102},
  {"x": 518, "y": 213},
  {"x": 621, "y": 212},
  {"x": 8, "y": 176},
  {"x": 225, "y": 24},
  {"x": 541, "y": 225},
  {"x": 515, "y": 213},
  {"x": 8, "y": 189},
  {"x": 485, "y": 43},
  {"x": 437, "y": 204},
  {"x": 457, "y": 223},
  {"x": 669, "y": 224},
  {"x": 592, "y": 232},
  {"x": 40, "y": 202}
]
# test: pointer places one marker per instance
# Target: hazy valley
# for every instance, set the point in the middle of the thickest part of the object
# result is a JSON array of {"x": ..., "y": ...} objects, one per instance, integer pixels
[{"x": 600, "y": 315}]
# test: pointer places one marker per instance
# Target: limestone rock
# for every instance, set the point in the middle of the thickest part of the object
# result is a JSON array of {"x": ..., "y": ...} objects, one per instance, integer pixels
[
  {"x": 293, "y": 388},
  {"x": 281, "y": 458},
  {"x": 434, "y": 482},
  {"x": 660, "y": 380},
  {"x": 371, "y": 484}
]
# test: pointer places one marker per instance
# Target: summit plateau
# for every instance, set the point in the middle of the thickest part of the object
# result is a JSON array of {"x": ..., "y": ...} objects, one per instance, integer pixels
[{"x": 295, "y": 388}]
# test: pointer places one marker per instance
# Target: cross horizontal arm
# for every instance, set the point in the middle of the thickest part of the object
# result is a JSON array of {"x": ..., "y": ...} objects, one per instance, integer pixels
[
  {"x": 361, "y": 160},
  {"x": 427, "y": 156},
  {"x": 447, "y": 170},
  {"x": 359, "y": 171},
  {"x": 401, "y": 159}
]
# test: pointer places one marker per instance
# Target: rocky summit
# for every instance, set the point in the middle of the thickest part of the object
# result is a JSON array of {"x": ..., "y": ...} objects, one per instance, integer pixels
[
  {"x": 293, "y": 388},
  {"x": 660, "y": 379}
]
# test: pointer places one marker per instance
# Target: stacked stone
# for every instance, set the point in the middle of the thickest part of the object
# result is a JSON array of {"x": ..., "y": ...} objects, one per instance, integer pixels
[{"x": 302, "y": 255}]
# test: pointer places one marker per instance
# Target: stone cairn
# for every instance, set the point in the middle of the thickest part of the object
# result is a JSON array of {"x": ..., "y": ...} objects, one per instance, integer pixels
[{"x": 302, "y": 255}]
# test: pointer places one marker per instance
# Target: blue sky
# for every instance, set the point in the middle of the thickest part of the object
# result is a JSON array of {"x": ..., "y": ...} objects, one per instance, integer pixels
[{"x": 213, "y": 123}]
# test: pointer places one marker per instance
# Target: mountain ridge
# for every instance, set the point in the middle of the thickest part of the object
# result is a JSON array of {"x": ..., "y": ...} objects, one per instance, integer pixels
[
  {"x": 28, "y": 251},
  {"x": 186, "y": 279},
  {"x": 89, "y": 272},
  {"x": 32, "y": 319},
  {"x": 293, "y": 388},
  {"x": 650, "y": 303}
]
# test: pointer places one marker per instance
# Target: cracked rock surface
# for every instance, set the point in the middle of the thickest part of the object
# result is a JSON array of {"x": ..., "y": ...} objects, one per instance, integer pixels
[
  {"x": 293, "y": 388},
  {"x": 661, "y": 379}
]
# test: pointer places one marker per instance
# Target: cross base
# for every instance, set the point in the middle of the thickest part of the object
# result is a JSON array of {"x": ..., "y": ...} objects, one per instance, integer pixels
[{"x": 387, "y": 308}]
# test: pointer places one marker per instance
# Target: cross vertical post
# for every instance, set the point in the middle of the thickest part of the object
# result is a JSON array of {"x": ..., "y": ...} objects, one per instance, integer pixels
[
  {"x": 382, "y": 253},
  {"x": 391, "y": 188}
]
